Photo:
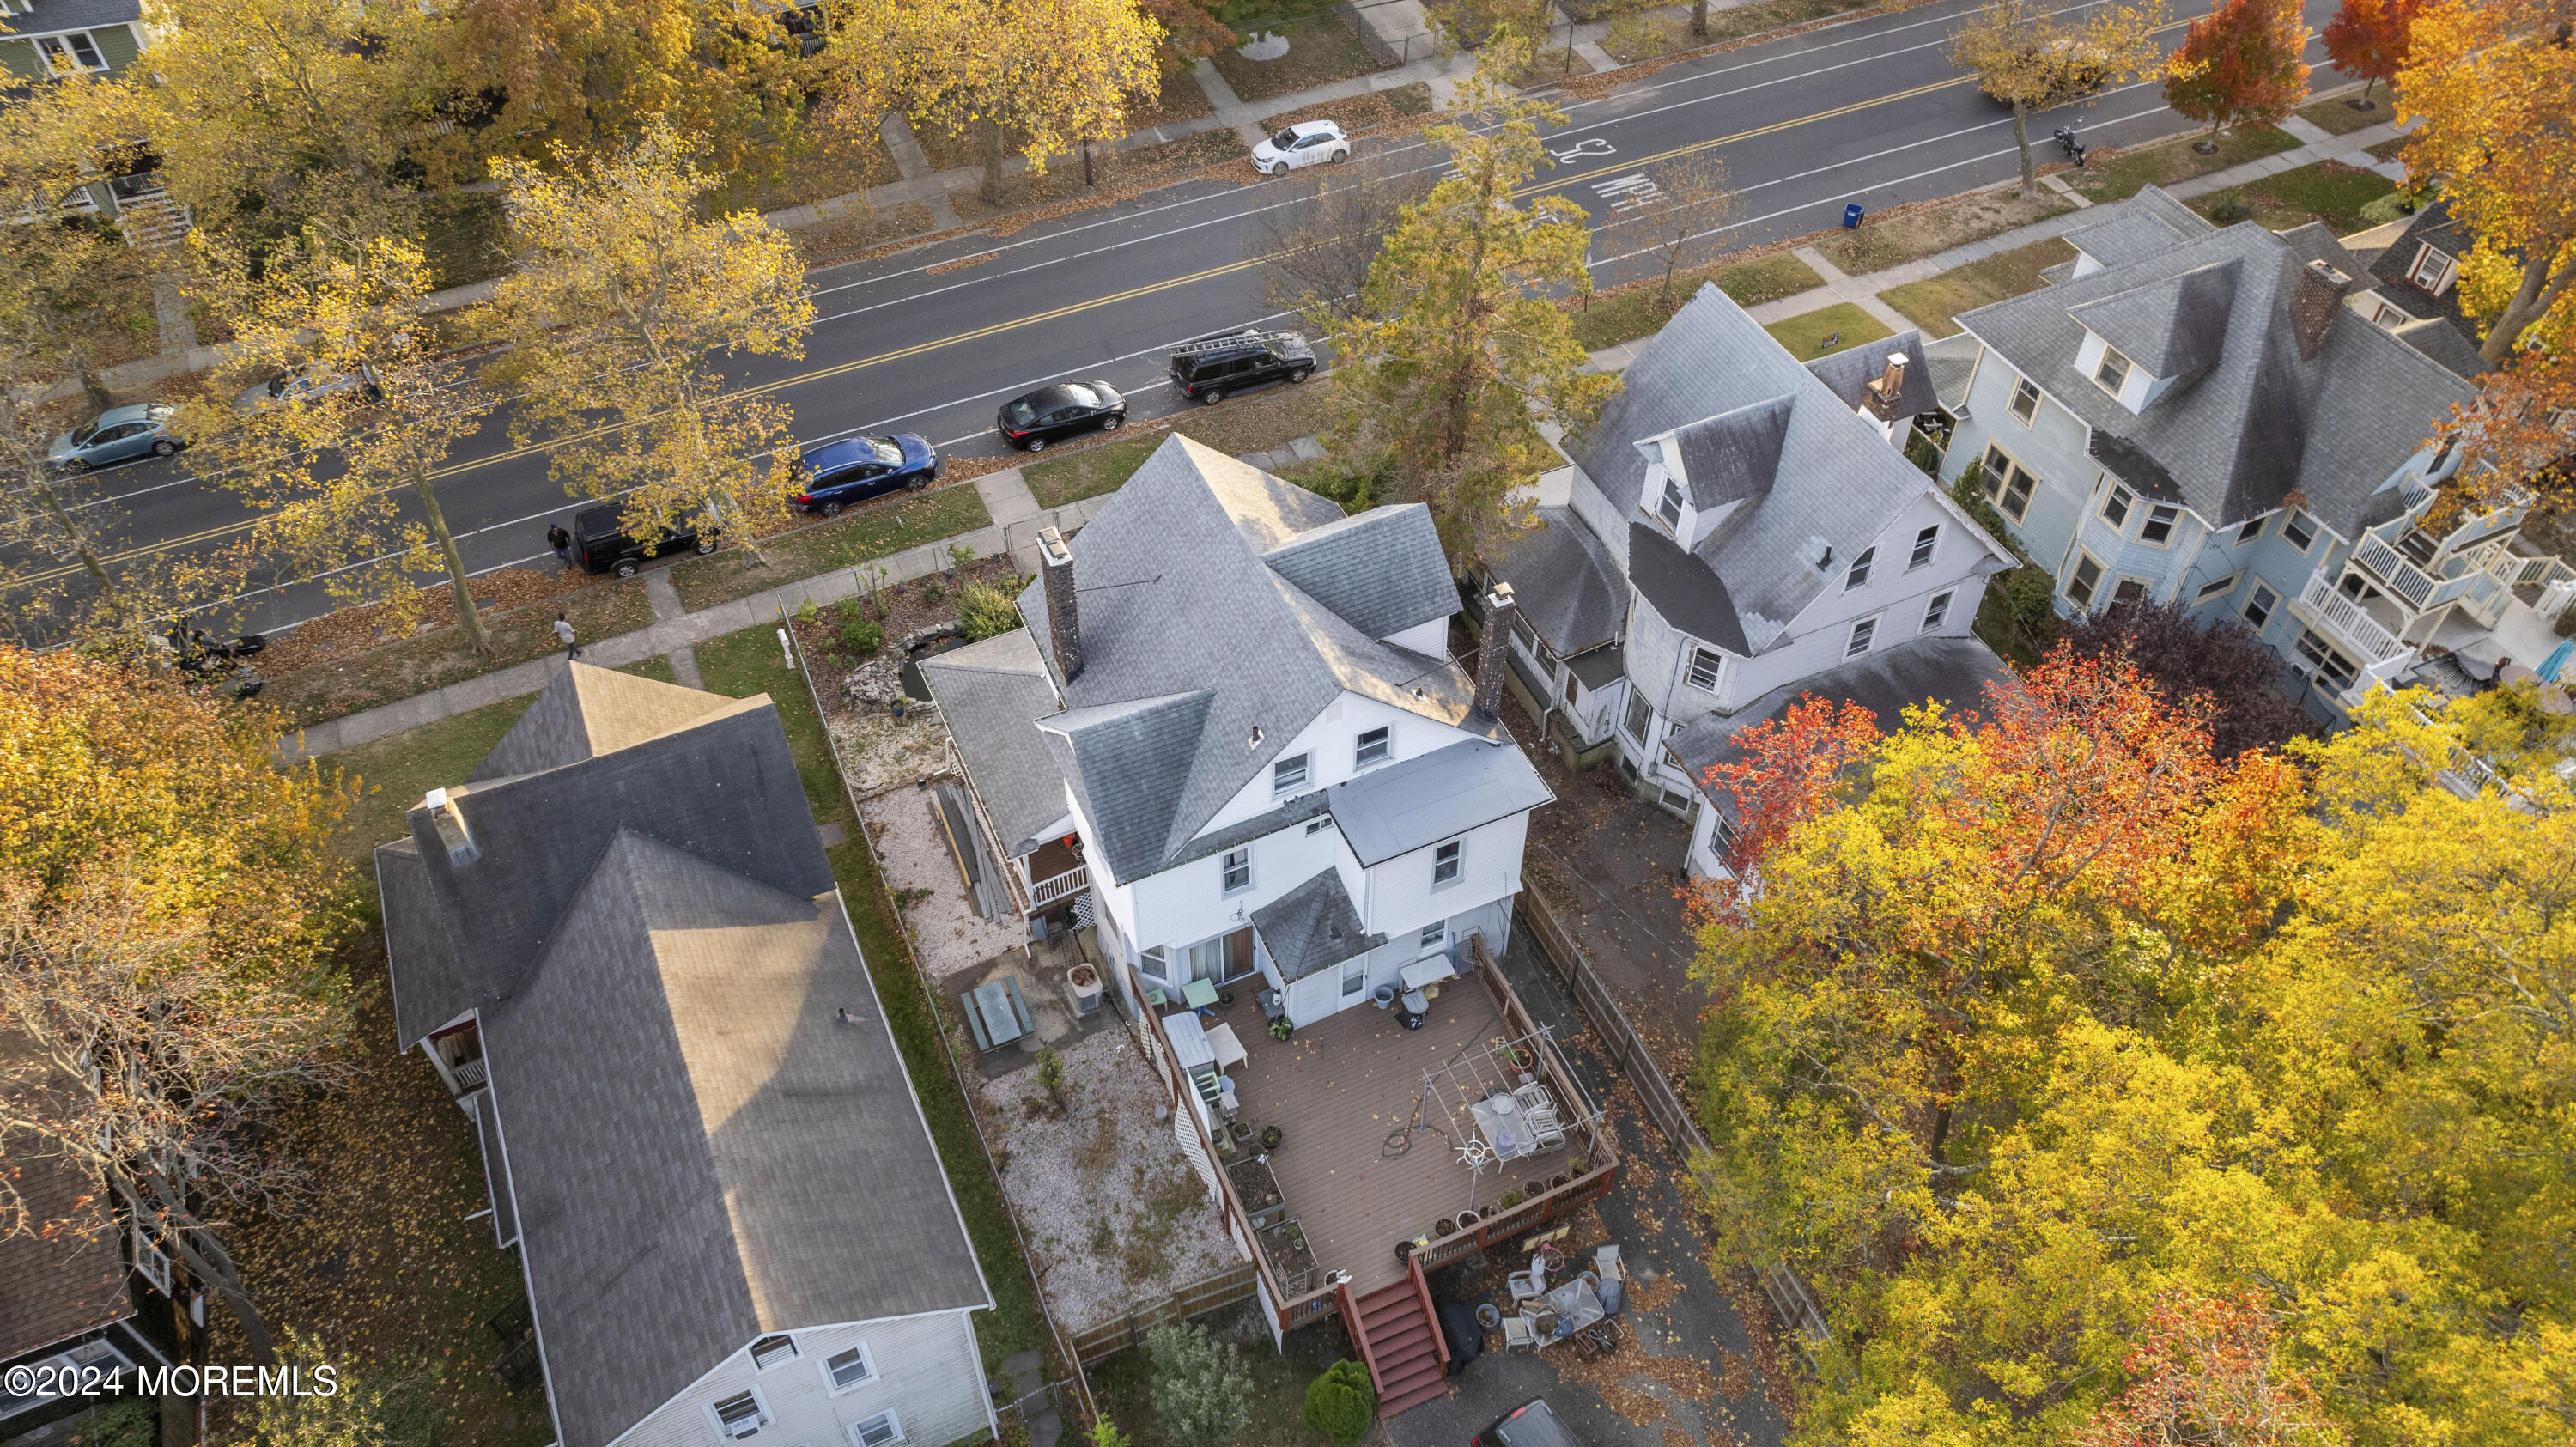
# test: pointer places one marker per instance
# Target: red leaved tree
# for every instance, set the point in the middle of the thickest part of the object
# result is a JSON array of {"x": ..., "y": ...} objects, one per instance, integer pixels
[
  {"x": 2239, "y": 65},
  {"x": 2522, "y": 427},
  {"x": 1784, "y": 769},
  {"x": 2202, "y": 1372},
  {"x": 2370, "y": 38},
  {"x": 2225, "y": 663}
]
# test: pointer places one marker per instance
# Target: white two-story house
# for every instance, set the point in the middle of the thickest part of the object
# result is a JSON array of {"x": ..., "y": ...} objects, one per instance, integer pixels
[
  {"x": 2195, "y": 415},
  {"x": 1236, "y": 707},
  {"x": 1740, "y": 530}
]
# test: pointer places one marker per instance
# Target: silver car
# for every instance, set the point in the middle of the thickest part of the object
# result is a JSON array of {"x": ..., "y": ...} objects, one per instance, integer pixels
[
  {"x": 300, "y": 387},
  {"x": 115, "y": 435}
]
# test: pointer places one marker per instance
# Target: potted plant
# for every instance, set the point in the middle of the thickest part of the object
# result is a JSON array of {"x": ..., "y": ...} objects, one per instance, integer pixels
[
  {"x": 1271, "y": 1135},
  {"x": 1530, "y": 1189},
  {"x": 1444, "y": 1227},
  {"x": 1558, "y": 1180},
  {"x": 1238, "y": 1130},
  {"x": 1280, "y": 1029},
  {"x": 1510, "y": 1199},
  {"x": 1580, "y": 1164},
  {"x": 1467, "y": 1220},
  {"x": 1403, "y": 1252}
]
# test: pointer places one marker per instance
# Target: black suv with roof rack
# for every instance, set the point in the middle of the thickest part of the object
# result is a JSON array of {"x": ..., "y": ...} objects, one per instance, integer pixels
[{"x": 1208, "y": 369}]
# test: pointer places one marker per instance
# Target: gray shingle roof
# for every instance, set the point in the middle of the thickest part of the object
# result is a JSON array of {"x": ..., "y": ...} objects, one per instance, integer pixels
[
  {"x": 1566, "y": 582},
  {"x": 1732, "y": 456},
  {"x": 1434, "y": 796},
  {"x": 1953, "y": 672},
  {"x": 1682, "y": 590},
  {"x": 57, "y": 1285},
  {"x": 496, "y": 1170},
  {"x": 53, "y": 15},
  {"x": 592, "y": 711},
  {"x": 1850, "y": 371},
  {"x": 2173, "y": 325},
  {"x": 1953, "y": 362},
  {"x": 2446, "y": 342},
  {"x": 2148, "y": 226},
  {"x": 991, "y": 695},
  {"x": 2433, "y": 226},
  {"x": 1838, "y": 483},
  {"x": 659, "y": 955},
  {"x": 1193, "y": 637},
  {"x": 1313, "y": 927},
  {"x": 2257, "y": 422}
]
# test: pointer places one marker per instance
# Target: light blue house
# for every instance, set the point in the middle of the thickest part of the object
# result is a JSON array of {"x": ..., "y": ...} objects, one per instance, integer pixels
[{"x": 2196, "y": 415}]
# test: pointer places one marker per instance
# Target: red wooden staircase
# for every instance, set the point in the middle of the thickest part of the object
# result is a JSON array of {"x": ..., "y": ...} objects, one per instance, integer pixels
[{"x": 1399, "y": 1341}]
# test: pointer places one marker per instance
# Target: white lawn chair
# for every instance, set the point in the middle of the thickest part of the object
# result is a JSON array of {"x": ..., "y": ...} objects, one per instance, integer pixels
[
  {"x": 1520, "y": 1330},
  {"x": 1533, "y": 1282}
]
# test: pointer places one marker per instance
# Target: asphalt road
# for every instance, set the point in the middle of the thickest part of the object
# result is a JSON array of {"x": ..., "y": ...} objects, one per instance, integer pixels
[{"x": 1869, "y": 110}]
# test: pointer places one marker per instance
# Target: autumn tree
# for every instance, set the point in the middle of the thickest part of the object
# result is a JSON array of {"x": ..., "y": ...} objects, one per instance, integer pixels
[
  {"x": 2203, "y": 1369},
  {"x": 2225, "y": 664},
  {"x": 1782, "y": 772},
  {"x": 345, "y": 476},
  {"x": 2517, "y": 436},
  {"x": 2370, "y": 39},
  {"x": 2034, "y": 57},
  {"x": 166, "y": 918},
  {"x": 1679, "y": 224},
  {"x": 2493, "y": 84},
  {"x": 2239, "y": 65},
  {"x": 1459, "y": 346},
  {"x": 1316, "y": 250},
  {"x": 622, "y": 304},
  {"x": 1043, "y": 77}
]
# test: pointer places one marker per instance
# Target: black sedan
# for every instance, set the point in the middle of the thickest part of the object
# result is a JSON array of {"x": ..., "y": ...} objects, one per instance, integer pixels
[
  {"x": 855, "y": 469},
  {"x": 1050, "y": 413}
]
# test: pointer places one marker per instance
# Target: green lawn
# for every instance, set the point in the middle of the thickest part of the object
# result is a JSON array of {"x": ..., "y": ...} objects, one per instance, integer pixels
[
  {"x": 2336, "y": 117},
  {"x": 1634, "y": 310},
  {"x": 2121, "y": 176},
  {"x": 1933, "y": 301},
  {"x": 1321, "y": 51},
  {"x": 398, "y": 770},
  {"x": 655, "y": 666},
  {"x": 1826, "y": 330},
  {"x": 1092, "y": 470},
  {"x": 1264, "y": 420},
  {"x": 739, "y": 665},
  {"x": 870, "y": 533},
  {"x": 2328, "y": 191}
]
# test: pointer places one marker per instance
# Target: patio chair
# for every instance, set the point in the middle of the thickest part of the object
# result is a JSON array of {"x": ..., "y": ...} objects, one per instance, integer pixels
[
  {"x": 1520, "y": 1331},
  {"x": 1475, "y": 1155},
  {"x": 1533, "y": 1282}
]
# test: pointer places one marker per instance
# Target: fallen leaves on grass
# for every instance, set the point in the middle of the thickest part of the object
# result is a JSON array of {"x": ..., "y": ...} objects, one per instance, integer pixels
[{"x": 353, "y": 630}]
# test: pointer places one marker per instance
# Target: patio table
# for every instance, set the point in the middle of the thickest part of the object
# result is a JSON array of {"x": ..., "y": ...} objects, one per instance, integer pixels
[
  {"x": 997, "y": 1014},
  {"x": 1199, "y": 994},
  {"x": 1576, "y": 1307},
  {"x": 1499, "y": 1121}
]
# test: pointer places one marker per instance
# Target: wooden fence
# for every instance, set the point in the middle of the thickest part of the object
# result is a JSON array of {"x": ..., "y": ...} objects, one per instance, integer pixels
[{"x": 1237, "y": 1283}]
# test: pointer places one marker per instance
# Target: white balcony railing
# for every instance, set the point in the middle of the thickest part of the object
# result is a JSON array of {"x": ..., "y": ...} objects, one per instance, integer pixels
[
  {"x": 1043, "y": 892},
  {"x": 2410, "y": 584},
  {"x": 2342, "y": 619}
]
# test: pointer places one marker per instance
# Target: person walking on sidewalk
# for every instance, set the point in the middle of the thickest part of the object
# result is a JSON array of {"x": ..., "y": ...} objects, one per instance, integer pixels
[
  {"x": 561, "y": 542},
  {"x": 563, "y": 630}
]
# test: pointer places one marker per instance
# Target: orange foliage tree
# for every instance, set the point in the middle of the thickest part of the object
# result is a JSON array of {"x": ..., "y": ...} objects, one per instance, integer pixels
[
  {"x": 2202, "y": 1371},
  {"x": 2369, "y": 38},
  {"x": 2239, "y": 65}
]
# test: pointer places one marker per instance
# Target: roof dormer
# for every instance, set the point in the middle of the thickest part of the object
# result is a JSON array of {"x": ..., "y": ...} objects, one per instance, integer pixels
[
  {"x": 2140, "y": 342},
  {"x": 1700, "y": 474}
]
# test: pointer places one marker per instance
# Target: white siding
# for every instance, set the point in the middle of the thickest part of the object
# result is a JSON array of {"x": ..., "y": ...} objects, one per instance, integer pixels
[
  {"x": 929, "y": 1373},
  {"x": 1895, "y": 595}
]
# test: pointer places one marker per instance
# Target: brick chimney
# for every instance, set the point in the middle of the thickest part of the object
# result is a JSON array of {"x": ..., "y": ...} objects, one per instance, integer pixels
[
  {"x": 1064, "y": 621},
  {"x": 1493, "y": 654},
  {"x": 1882, "y": 396},
  {"x": 2314, "y": 304}
]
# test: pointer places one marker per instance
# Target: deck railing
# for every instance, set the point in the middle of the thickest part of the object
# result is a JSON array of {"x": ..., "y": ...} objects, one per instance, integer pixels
[{"x": 1043, "y": 892}]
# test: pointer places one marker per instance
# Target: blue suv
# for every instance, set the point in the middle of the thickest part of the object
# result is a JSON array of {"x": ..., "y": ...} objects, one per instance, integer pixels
[{"x": 853, "y": 470}]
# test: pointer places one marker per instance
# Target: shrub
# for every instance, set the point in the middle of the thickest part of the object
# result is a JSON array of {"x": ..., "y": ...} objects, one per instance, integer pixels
[
  {"x": 1920, "y": 451},
  {"x": 1201, "y": 1392},
  {"x": 985, "y": 612},
  {"x": 122, "y": 1422},
  {"x": 861, "y": 636},
  {"x": 1105, "y": 1433},
  {"x": 1341, "y": 1403}
]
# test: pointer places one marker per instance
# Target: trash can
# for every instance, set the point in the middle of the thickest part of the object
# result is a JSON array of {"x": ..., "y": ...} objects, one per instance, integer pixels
[
  {"x": 1851, "y": 215},
  {"x": 1384, "y": 996}
]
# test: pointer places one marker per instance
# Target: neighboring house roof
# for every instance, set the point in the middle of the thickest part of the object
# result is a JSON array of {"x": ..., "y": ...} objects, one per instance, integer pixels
[
  {"x": 1313, "y": 927},
  {"x": 2254, "y": 422},
  {"x": 1953, "y": 362},
  {"x": 661, "y": 962},
  {"x": 1566, "y": 583},
  {"x": 2433, "y": 226},
  {"x": 1850, "y": 371},
  {"x": 1599, "y": 668},
  {"x": 2445, "y": 341},
  {"x": 991, "y": 695},
  {"x": 2149, "y": 225},
  {"x": 51, "y": 17},
  {"x": 1435, "y": 796},
  {"x": 1952, "y": 672},
  {"x": 54, "y": 1285},
  {"x": 2172, "y": 325},
  {"x": 1197, "y": 635},
  {"x": 1836, "y": 483}
]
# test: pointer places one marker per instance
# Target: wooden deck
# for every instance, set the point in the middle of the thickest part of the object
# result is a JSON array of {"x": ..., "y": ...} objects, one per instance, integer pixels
[{"x": 1339, "y": 1091}]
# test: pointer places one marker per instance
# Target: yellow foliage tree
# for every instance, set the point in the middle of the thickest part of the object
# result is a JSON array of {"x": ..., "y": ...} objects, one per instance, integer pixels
[
  {"x": 2033, "y": 56},
  {"x": 623, "y": 299}
]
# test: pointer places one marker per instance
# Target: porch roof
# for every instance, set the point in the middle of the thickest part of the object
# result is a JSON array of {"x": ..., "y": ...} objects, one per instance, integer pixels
[
  {"x": 991, "y": 695},
  {"x": 1313, "y": 927}
]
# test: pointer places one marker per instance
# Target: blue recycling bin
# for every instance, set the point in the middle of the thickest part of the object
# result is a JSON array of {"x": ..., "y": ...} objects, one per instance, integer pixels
[{"x": 1851, "y": 215}]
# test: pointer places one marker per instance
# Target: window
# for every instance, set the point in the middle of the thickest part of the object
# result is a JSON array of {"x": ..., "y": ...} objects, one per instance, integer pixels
[
  {"x": 1862, "y": 633},
  {"x": 770, "y": 1351},
  {"x": 876, "y": 1431},
  {"x": 2431, "y": 269},
  {"x": 739, "y": 1416},
  {"x": 2252, "y": 530},
  {"x": 845, "y": 1370},
  {"x": 152, "y": 1265},
  {"x": 2008, "y": 487},
  {"x": 2259, "y": 605},
  {"x": 1434, "y": 935},
  {"x": 1375, "y": 745},
  {"x": 1318, "y": 826},
  {"x": 1288, "y": 775},
  {"x": 2086, "y": 582},
  {"x": 1354, "y": 975},
  {"x": 2160, "y": 524},
  {"x": 2387, "y": 316},
  {"x": 1641, "y": 717},
  {"x": 1859, "y": 573},
  {"x": 2116, "y": 506},
  {"x": 1935, "y": 611},
  {"x": 1677, "y": 801},
  {"x": 1924, "y": 542},
  {"x": 2219, "y": 588},
  {"x": 2130, "y": 590},
  {"x": 1445, "y": 864},
  {"x": 2025, "y": 401},
  {"x": 76, "y": 51},
  {"x": 1670, "y": 509},
  {"x": 2300, "y": 529},
  {"x": 2332, "y": 667},
  {"x": 1704, "y": 670},
  {"x": 1238, "y": 869},
  {"x": 2112, "y": 372},
  {"x": 1527, "y": 637}
]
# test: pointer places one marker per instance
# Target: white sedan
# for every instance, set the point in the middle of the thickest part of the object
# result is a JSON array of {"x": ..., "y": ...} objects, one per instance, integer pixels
[{"x": 1306, "y": 143}]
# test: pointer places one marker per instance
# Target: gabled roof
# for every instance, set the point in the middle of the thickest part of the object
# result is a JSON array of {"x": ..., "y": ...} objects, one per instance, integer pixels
[
  {"x": 991, "y": 695},
  {"x": 1313, "y": 927},
  {"x": 54, "y": 1285},
  {"x": 50, "y": 16},
  {"x": 2256, "y": 422},
  {"x": 1198, "y": 635},
  {"x": 1954, "y": 365},
  {"x": 1435, "y": 796},
  {"x": 1837, "y": 482},
  {"x": 1850, "y": 371},
  {"x": 2433, "y": 226},
  {"x": 1682, "y": 590},
  {"x": 589, "y": 712},
  {"x": 2173, "y": 325},
  {"x": 1729, "y": 457},
  {"x": 2149, "y": 225},
  {"x": 1566, "y": 582}
]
